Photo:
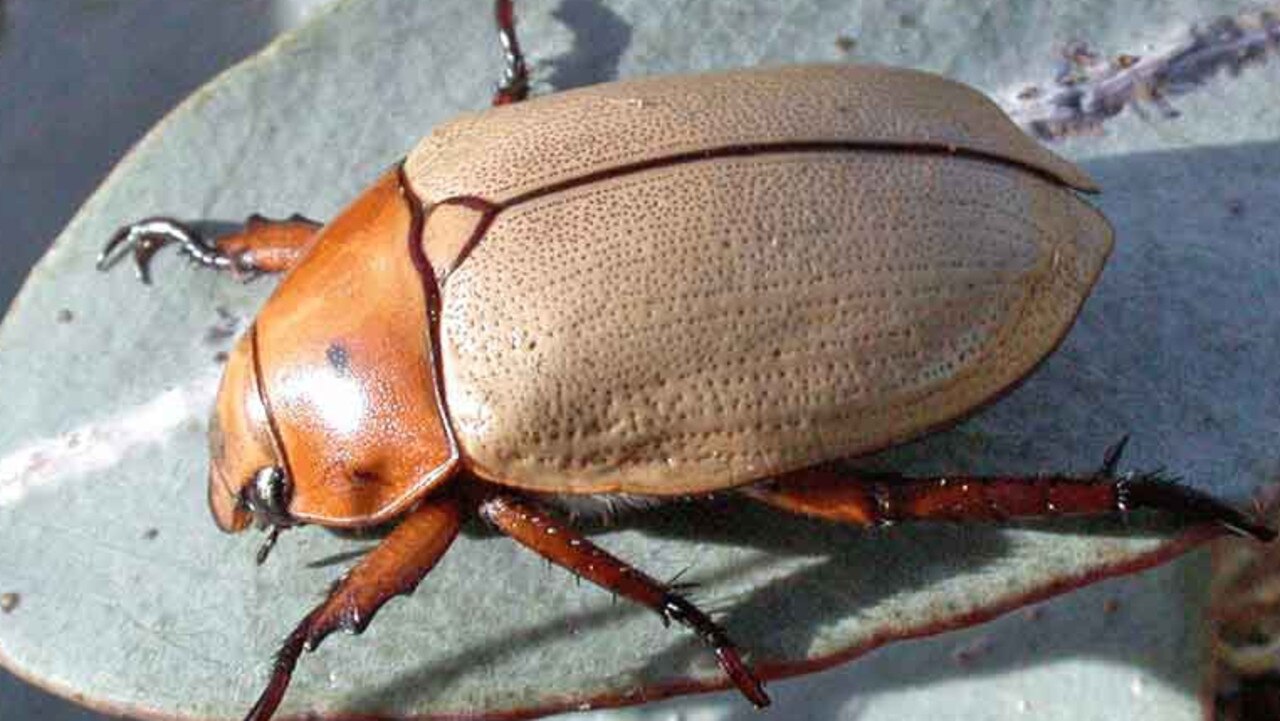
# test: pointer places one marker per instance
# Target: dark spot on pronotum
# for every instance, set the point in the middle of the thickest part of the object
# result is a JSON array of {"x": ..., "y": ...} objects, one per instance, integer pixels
[
  {"x": 364, "y": 477},
  {"x": 65, "y": 315},
  {"x": 9, "y": 602},
  {"x": 338, "y": 357},
  {"x": 151, "y": 533}
]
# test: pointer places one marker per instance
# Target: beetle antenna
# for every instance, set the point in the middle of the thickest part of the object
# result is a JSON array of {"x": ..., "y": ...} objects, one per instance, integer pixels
[{"x": 265, "y": 549}]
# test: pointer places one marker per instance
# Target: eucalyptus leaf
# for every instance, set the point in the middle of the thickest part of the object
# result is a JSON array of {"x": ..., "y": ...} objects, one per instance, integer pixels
[{"x": 131, "y": 601}]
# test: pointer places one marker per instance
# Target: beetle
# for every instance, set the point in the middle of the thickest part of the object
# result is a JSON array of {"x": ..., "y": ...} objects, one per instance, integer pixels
[{"x": 651, "y": 289}]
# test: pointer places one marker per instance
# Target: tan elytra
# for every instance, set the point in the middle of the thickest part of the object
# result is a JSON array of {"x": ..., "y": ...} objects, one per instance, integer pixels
[{"x": 693, "y": 283}]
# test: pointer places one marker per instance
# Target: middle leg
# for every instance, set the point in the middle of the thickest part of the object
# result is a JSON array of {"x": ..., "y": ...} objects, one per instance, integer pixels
[
  {"x": 564, "y": 546},
  {"x": 514, "y": 86}
]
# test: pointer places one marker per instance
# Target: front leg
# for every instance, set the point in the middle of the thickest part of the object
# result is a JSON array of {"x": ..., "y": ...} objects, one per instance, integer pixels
[
  {"x": 394, "y": 567},
  {"x": 260, "y": 246}
]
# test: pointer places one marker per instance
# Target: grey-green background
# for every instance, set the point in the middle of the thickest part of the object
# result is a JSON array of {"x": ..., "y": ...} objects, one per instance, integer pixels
[{"x": 80, "y": 80}]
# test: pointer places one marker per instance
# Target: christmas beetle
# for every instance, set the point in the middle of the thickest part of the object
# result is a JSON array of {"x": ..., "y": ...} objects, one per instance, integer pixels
[{"x": 651, "y": 289}]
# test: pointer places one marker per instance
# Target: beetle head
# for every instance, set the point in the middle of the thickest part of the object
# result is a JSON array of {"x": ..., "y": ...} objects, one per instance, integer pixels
[{"x": 248, "y": 480}]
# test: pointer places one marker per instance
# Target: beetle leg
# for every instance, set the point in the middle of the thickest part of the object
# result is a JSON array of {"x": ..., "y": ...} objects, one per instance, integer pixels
[
  {"x": 564, "y": 546},
  {"x": 393, "y": 567},
  {"x": 261, "y": 246},
  {"x": 264, "y": 245},
  {"x": 850, "y": 496},
  {"x": 514, "y": 86}
]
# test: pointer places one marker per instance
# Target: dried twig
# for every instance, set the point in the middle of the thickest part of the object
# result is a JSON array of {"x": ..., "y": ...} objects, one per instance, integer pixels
[{"x": 1088, "y": 88}]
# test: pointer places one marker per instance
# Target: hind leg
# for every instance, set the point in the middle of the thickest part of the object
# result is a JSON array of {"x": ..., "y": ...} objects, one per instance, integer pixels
[{"x": 842, "y": 495}]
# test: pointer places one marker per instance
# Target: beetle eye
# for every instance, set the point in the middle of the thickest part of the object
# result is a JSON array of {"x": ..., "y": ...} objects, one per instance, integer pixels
[{"x": 267, "y": 497}]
